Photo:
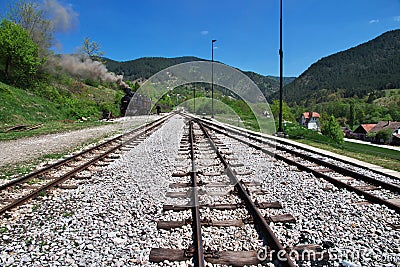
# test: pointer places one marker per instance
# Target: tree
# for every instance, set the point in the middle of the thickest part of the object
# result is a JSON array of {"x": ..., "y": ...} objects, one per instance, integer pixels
[
  {"x": 91, "y": 49},
  {"x": 286, "y": 111},
  {"x": 331, "y": 128},
  {"x": 383, "y": 136},
  {"x": 33, "y": 19},
  {"x": 352, "y": 115},
  {"x": 19, "y": 53}
]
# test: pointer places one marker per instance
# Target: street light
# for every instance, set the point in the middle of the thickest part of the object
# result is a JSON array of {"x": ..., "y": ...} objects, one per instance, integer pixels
[{"x": 212, "y": 78}]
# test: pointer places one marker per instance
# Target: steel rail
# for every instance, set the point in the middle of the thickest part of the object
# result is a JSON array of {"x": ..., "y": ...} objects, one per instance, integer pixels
[
  {"x": 334, "y": 167},
  {"x": 198, "y": 256},
  {"x": 73, "y": 157},
  {"x": 69, "y": 174},
  {"x": 260, "y": 221},
  {"x": 332, "y": 180},
  {"x": 251, "y": 135}
]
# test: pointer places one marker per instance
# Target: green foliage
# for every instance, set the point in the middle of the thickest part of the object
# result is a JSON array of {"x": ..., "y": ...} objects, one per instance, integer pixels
[
  {"x": 91, "y": 49},
  {"x": 287, "y": 114},
  {"x": 57, "y": 106},
  {"x": 353, "y": 112},
  {"x": 354, "y": 73},
  {"x": 331, "y": 128},
  {"x": 31, "y": 16},
  {"x": 144, "y": 68},
  {"x": 19, "y": 55},
  {"x": 371, "y": 135},
  {"x": 384, "y": 135},
  {"x": 296, "y": 131}
]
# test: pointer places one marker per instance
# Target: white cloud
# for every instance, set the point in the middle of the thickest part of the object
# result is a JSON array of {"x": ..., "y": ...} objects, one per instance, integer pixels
[
  {"x": 373, "y": 21},
  {"x": 204, "y": 32},
  {"x": 397, "y": 18}
]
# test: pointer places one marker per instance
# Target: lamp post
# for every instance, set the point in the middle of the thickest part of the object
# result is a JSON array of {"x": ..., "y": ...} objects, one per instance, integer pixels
[
  {"x": 280, "y": 130},
  {"x": 212, "y": 78}
]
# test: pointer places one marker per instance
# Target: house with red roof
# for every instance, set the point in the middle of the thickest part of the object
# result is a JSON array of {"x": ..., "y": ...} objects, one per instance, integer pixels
[
  {"x": 363, "y": 130},
  {"x": 310, "y": 120},
  {"x": 392, "y": 126}
]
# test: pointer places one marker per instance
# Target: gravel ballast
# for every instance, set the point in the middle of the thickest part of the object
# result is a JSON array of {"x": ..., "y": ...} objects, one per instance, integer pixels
[{"x": 108, "y": 221}]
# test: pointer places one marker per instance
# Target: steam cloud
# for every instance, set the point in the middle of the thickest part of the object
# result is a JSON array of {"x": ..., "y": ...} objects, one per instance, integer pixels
[
  {"x": 85, "y": 68},
  {"x": 64, "y": 18}
]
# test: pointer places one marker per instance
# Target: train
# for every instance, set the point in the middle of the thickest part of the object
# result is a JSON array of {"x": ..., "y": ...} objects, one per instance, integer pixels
[{"x": 134, "y": 104}]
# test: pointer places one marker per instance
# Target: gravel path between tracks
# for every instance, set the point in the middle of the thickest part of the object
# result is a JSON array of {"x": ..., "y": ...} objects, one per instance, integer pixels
[
  {"x": 26, "y": 149},
  {"x": 110, "y": 220},
  {"x": 361, "y": 234}
]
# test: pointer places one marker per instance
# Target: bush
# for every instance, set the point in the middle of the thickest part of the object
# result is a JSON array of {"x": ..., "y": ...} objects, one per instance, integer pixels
[
  {"x": 331, "y": 128},
  {"x": 299, "y": 132},
  {"x": 384, "y": 135}
]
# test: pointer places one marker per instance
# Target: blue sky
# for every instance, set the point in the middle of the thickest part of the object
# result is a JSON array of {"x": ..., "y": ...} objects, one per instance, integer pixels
[{"x": 247, "y": 32}]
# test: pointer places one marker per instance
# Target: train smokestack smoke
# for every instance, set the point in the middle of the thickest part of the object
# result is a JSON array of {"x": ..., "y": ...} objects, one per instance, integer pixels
[{"x": 87, "y": 68}]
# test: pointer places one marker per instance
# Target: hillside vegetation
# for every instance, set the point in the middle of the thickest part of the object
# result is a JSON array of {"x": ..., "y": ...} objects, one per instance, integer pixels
[
  {"x": 61, "y": 106},
  {"x": 144, "y": 68},
  {"x": 354, "y": 73}
]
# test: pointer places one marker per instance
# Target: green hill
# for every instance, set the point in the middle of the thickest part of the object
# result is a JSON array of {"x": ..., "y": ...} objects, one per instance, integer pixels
[
  {"x": 356, "y": 72},
  {"x": 144, "y": 68}
]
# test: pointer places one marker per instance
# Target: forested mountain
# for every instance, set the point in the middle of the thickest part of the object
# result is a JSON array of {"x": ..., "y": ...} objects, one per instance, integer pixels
[
  {"x": 144, "y": 68},
  {"x": 356, "y": 72}
]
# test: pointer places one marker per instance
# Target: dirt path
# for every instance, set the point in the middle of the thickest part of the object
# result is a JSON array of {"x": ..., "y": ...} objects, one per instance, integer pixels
[{"x": 27, "y": 149}]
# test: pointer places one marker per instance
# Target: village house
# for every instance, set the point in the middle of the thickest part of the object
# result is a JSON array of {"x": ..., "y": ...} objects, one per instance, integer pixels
[
  {"x": 310, "y": 120},
  {"x": 392, "y": 126},
  {"x": 363, "y": 129}
]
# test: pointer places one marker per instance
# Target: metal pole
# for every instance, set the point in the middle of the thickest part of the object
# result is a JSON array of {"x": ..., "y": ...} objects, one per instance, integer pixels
[
  {"x": 281, "y": 73},
  {"x": 212, "y": 78},
  {"x": 194, "y": 99}
]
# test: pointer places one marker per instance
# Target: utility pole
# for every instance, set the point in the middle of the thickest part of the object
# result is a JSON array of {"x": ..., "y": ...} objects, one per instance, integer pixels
[
  {"x": 280, "y": 129},
  {"x": 212, "y": 78}
]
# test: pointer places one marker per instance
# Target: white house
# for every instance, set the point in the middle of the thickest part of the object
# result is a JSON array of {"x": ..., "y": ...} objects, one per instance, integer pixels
[{"x": 310, "y": 120}]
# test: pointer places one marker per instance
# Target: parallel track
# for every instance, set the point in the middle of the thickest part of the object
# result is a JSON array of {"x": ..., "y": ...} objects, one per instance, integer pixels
[
  {"x": 91, "y": 156},
  {"x": 327, "y": 171}
]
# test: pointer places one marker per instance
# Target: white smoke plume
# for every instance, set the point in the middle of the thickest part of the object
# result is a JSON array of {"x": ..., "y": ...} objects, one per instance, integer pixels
[
  {"x": 84, "y": 68},
  {"x": 63, "y": 18}
]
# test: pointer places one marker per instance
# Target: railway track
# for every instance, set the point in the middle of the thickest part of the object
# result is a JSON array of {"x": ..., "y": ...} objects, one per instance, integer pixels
[
  {"x": 374, "y": 186},
  {"x": 20, "y": 190},
  {"x": 223, "y": 183}
]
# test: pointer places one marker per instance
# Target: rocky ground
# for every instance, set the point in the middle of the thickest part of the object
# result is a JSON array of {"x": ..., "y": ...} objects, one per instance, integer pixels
[{"x": 110, "y": 219}]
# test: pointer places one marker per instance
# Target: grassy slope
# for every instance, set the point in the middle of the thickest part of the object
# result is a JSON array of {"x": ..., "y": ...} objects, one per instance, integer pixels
[
  {"x": 58, "y": 110},
  {"x": 384, "y": 157},
  {"x": 56, "y": 114}
]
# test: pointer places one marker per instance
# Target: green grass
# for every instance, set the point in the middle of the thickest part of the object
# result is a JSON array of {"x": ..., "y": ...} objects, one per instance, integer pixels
[
  {"x": 48, "y": 127},
  {"x": 57, "y": 108},
  {"x": 383, "y": 157}
]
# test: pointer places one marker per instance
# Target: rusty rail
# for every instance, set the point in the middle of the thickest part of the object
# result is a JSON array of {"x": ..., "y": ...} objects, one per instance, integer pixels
[
  {"x": 368, "y": 196},
  {"x": 198, "y": 257},
  {"x": 137, "y": 132},
  {"x": 260, "y": 221}
]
